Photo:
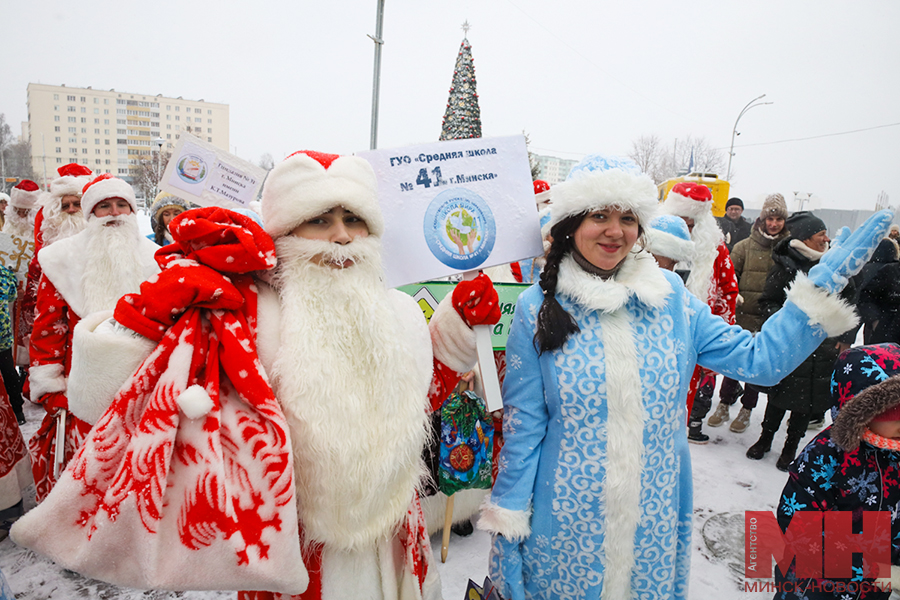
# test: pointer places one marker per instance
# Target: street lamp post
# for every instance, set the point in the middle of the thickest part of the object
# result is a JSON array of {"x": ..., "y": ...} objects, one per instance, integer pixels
[
  {"x": 376, "y": 79},
  {"x": 751, "y": 104},
  {"x": 159, "y": 144}
]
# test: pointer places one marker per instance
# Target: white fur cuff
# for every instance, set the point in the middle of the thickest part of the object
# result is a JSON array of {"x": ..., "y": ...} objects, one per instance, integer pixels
[
  {"x": 46, "y": 379},
  {"x": 514, "y": 525},
  {"x": 453, "y": 341},
  {"x": 103, "y": 359},
  {"x": 833, "y": 314}
]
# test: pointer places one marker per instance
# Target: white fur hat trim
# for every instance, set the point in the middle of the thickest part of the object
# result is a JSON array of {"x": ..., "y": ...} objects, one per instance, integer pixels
[
  {"x": 19, "y": 198},
  {"x": 670, "y": 246},
  {"x": 676, "y": 204},
  {"x": 301, "y": 188},
  {"x": 104, "y": 188},
  {"x": 590, "y": 191},
  {"x": 67, "y": 185}
]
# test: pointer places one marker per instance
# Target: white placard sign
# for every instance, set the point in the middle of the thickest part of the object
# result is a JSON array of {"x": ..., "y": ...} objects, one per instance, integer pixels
[
  {"x": 455, "y": 206},
  {"x": 205, "y": 175}
]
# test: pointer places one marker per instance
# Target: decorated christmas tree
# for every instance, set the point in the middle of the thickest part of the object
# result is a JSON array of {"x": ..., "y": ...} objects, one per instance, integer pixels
[{"x": 462, "y": 118}]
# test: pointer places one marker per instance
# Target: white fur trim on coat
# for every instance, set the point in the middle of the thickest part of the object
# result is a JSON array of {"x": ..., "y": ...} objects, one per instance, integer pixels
[
  {"x": 103, "y": 359},
  {"x": 514, "y": 525},
  {"x": 46, "y": 379},
  {"x": 64, "y": 262},
  {"x": 639, "y": 276},
  {"x": 597, "y": 190},
  {"x": 104, "y": 189},
  {"x": 833, "y": 314},
  {"x": 465, "y": 505},
  {"x": 300, "y": 188},
  {"x": 452, "y": 339}
]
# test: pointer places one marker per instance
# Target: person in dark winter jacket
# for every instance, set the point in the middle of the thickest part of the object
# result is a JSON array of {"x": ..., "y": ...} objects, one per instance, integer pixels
[
  {"x": 853, "y": 466},
  {"x": 804, "y": 392},
  {"x": 878, "y": 299},
  {"x": 752, "y": 259},
  {"x": 734, "y": 227}
]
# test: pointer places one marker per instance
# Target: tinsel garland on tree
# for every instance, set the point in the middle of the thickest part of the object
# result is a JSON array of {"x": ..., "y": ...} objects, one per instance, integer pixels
[{"x": 462, "y": 119}]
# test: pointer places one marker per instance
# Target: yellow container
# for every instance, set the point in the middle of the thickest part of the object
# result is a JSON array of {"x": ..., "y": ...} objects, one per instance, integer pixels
[{"x": 718, "y": 187}]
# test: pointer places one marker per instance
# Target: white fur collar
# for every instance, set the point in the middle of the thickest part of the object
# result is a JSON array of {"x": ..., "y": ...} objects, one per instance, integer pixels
[
  {"x": 63, "y": 263},
  {"x": 806, "y": 251},
  {"x": 639, "y": 276}
]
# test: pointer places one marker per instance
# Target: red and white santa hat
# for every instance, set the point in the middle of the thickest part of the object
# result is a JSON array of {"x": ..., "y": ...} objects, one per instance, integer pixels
[
  {"x": 307, "y": 184},
  {"x": 689, "y": 199},
  {"x": 72, "y": 179},
  {"x": 541, "y": 192},
  {"x": 102, "y": 188},
  {"x": 25, "y": 195}
]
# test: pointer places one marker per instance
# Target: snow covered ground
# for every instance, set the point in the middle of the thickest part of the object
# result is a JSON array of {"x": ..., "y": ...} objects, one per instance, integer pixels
[{"x": 726, "y": 484}]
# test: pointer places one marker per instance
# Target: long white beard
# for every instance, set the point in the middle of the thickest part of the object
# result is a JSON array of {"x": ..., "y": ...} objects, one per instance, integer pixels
[
  {"x": 113, "y": 265},
  {"x": 706, "y": 237},
  {"x": 60, "y": 225},
  {"x": 19, "y": 226},
  {"x": 348, "y": 388}
]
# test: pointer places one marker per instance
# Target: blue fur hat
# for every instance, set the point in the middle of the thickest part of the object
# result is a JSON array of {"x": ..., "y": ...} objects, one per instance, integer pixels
[{"x": 668, "y": 236}]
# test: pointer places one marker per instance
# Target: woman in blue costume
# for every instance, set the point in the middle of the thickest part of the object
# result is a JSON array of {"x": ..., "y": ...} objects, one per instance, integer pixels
[{"x": 593, "y": 498}]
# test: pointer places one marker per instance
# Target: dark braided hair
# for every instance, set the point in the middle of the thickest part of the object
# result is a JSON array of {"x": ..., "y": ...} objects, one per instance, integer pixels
[{"x": 554, "y": 324}]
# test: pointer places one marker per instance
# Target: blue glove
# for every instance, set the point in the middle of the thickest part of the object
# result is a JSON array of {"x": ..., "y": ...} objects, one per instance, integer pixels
[
  {"x": 505, "y": 568},
  {"x": 849, "y": 253}
]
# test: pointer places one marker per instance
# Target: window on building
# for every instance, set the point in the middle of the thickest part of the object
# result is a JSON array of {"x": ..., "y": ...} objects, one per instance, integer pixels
[
  {"x": 198, "y": 111},
  {"x": 70, "y": 98},
  {"x": 97, "y": 141},
  {"x": 97, "y": 161},
  {"x": 57, "y": 139},
  {"x": 56, "y": 96},
  {"x": 105, "y": 111},
  {"x": 208, "y": 111},
  {"x": 177, "y": 118},
  {"x": 106, "y": 162},
  {"x": 56, "y": 107},
  {"x": 96, "y": 121},
  {"x": 97, "y": 151},
  {"x": 83, "y": 120},
  {"x": 73, "y": 150},
  {"x": 56, "y": 128},
  {"x": 209, "y": 120},
  {"x": 73, "y": 120},
  {"x": 56, "y": 117},
  {"x": 168, "y": 136},
  {"x": 83, "y": 109},
  {"x": 106, "y": 121},
  {"x": 59, "y": 161},
  {"x": 73, "y": 129},
  {"x": 209, "y": 139},
  {"x": 70, "y": 109},
  {"x": 83, "y": 130},
  {"x": 83, "y": 99},
  {"x": 107, "y": 150},
  {"x": 96, "y": 111},
  {"x": 73, "y": 140},
  {"x": 168, "y": 126},
  {"x": 84, "y": 140},
  {"x": 58, "y": 149},
  {"x": 106, "y": 101},
  {"x": 96, "y": 100}
]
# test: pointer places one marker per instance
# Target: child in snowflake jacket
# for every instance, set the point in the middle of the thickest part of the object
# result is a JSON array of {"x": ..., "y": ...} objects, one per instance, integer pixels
[{"x": 852, "y": 466}]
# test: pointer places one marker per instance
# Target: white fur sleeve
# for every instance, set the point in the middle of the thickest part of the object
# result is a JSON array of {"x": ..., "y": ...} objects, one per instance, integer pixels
[
  {"x": 452, "y": 339},
  {"x": 103, "y": 359}
]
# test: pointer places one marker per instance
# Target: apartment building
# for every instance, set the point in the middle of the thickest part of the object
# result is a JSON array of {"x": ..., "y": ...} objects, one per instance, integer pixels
[
  {"x": 111, "y": 131},
  {"x": 553, "y": 169}
]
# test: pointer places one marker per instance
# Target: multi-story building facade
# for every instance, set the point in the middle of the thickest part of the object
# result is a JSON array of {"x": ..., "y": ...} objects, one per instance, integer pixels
[
  {"x": 111, "y": 131},
  {"x": 553, "y": 169}
]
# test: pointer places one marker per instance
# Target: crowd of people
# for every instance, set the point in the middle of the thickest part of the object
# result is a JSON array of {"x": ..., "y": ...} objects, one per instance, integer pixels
[{"x": 296, "y": 390}]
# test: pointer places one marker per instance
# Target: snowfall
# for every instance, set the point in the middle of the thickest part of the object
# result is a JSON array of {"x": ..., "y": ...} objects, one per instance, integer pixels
[{"x": 726, "y": 484}]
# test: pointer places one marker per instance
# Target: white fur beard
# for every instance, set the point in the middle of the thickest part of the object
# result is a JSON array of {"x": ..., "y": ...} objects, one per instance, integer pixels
[
  {"x": 348, "y": 389},
  {"x": 17, "y": 226},
  {"x": 112, "y": 264},
  {"x": 61, "y": 225},
  {"x": 706, "y": 237}
]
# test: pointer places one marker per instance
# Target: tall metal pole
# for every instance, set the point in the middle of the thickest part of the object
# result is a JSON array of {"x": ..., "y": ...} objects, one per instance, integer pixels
[
  {"x": 734, "y": 130},
  {"x": 376, "y": 81},
  {"x": 44, "y": 158}
]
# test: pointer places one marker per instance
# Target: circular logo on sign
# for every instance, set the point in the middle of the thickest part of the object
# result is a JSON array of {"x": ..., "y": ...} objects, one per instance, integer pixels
[
  {"x": 191, "y": 169},
  {"x": 459, "y": 229}
]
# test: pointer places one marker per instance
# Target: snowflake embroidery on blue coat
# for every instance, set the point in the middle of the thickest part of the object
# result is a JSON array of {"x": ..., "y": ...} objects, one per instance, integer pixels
[
  {"x": 791, "y": 505},
  {"x": 510, "y": 420},
  {"x": 514, "y": 362}
]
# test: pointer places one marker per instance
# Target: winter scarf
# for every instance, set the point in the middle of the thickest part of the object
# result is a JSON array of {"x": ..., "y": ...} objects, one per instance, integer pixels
[{"x": 188, "y": 475}]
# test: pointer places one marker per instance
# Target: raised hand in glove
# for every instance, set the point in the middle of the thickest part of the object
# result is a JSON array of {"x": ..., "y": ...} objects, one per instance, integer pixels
[
  {"x": 477, "y": 301},
  {"x": 505, "y": 568},
  {"x": 849, "y": 253}
]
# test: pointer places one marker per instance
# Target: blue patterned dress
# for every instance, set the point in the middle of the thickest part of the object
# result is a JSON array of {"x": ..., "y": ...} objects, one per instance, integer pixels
[{"x": 595, "y": 473}]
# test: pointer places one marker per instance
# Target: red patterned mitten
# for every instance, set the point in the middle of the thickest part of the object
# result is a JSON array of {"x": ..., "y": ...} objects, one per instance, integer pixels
[{"x": 477, "y": 301}]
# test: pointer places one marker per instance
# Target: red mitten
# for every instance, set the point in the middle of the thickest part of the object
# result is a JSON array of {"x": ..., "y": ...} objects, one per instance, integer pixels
[
  {"x": 477, "y": 301},
  {"x": 54, "y": 402}
]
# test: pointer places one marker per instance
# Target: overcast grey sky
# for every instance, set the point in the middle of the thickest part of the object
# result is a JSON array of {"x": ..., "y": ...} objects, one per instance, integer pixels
[{"x": 577, "y": 76}]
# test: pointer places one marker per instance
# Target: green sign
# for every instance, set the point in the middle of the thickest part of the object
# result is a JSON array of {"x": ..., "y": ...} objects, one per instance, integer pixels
[{"x": 430, "y": 293}]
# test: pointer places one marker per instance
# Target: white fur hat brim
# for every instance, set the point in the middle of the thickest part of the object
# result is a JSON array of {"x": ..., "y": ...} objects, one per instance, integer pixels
[
  {"x": 682, "y": 206},
  {"x": 301, "y": 188},
  {"x": 670, "y": 246},
  {"x": 67, "y": 185},
  {"x": 590, "y": 191},
  {"x": 103, "y": 189},
  {"x": 24, "y": 198}
]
